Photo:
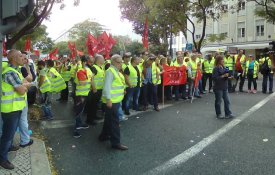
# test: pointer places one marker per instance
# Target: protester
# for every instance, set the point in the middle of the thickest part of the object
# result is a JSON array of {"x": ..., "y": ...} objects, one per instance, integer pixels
[
  {"x": 229, "y": 63},
  {"x": 180, "y": 90},
  {"x": 252, "y": 70},
  {"x": 220, "y": 78},
  {"x": 193, "y": 66},
  {"x": 66, "y": 75},
  {"x": 13, "y": 101},
  {"x": 240, "y": 67},
  {"x": 207, "y": 68},
  {"x": 266, "y": 70},
  {"x": 112, "y": 95}
]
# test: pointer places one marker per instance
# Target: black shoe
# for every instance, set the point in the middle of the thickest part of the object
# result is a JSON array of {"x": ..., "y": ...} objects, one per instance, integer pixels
[
  {"x": 127, "y": 113},
  {"x": 14, "y": 148},
  {"x": 103, "y": 138},
  {"x": 157, "y": 109},
  {"x": 184, "y": 98},
  {"x": 220, "y": 116},
  {"x": 84, "y": 126},
  {"x": 7, "y": 165},
  {"x": 93, "y": 123},
  {"x": 270, "y": 92},
  {"x": 198, "y": 96},
  {"x": 28, "y": 144},
  {"x": 264, "y": 92},
  {"x": 189, "y": 98},
  {"x": 120, "y": 147},
  {"x": 230, "y": 116},
  {"x": 77, "y": 134}
]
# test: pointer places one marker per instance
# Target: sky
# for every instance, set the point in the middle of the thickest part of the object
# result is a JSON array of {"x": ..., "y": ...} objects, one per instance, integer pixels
[{"x": 105, "y": 12}]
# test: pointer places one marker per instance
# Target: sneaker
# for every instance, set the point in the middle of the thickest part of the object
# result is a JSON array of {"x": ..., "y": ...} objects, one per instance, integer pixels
[
  {"x": 270, "y": 92},
  {"x": 127, "y": 113},
  {"x": 230, "y": 116},
  {"x": 254, "y": 91},
  {"x": 14, "y": 148},
  {"x": 28, "y": 144},
  {"x": 198, "y": 96},
  {"x": 77, "y": 134},
  {"x": 7, "y": 165},
  {"x": 220, "y": 116},
  {"x": 84, "y": 126}
]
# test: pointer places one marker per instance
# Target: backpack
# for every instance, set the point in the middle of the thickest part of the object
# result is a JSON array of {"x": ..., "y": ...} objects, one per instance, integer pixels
[{"x": 264, "y": 68}]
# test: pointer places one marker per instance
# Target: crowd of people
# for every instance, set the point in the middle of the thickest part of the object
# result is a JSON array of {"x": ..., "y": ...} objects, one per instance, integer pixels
[{"x": 116, "y": 86}]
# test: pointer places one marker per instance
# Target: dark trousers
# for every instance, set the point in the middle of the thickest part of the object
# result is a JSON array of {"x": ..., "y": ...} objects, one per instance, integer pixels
[
  {"x": 230, "y": 85},
  {"x": 265, "y": 79},
  {"x": 150, "y": 94},
  {"x": 10, "y": 124},
  {"x": 93, "y": 100},
  {"x": 111, "y": 125},
  {"x": 65, "y": 92},
  {"x": 251, "y": 80},
  {"x": 180, "y": 90},
  {"x": 242, "y": 80},
  {"x": 79, "y": 106},
  {"x": 219, "y": 95},
  {"x": 206, "y": 76},
  {"x": 128, "y": 98},
  {"x": 168, "y": 92}
]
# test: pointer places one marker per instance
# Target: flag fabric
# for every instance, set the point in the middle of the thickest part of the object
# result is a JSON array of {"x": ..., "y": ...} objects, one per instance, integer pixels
[
  {"x": 36, "y": 52},
  {"x": 4, "y": 49},
  {"x": 91, "y": 44},
  {"x": 28, "y": 44},
  {"x": 197, "y": 78},
  {"x": 111, "y": 43},
  {"x": 145, "y": 35},
  {"x": 73, "y": 50},
  {"x": 53, "y": 54},
  {"x": 174, "y": 75},
  {"x": 103, "y": 41}
]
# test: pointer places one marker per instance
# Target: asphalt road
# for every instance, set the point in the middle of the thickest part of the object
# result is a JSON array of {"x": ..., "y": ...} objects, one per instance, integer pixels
[{"x": 154, "y": 138}]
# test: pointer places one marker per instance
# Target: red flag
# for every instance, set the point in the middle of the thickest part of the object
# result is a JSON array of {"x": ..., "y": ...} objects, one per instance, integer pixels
[
  {"x": 103, "y": 40},
  {"x": 28, "y": 44},
  {"x": 53, "y": 54},
  {"x": 73, "y": 50},
  {"x": 4, "y": 49},
  {"x": 145, "y": 35},
  {"x": 91, "y": 44},
  {"x": 197, "y": 78},
  {"x": 36, "y": 52},
  {"x": 111, "y": 43},
  {"x": 174, "y": 75}
]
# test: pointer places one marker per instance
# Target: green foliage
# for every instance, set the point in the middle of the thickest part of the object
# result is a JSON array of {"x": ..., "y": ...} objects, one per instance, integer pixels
[
  {"x": 62, "y": 48},
  {"x": 265, "y": 9},
  {"x": 39, "y": 39},
  {"x": 216, "y": 37},
  {"x": 125, "y": 44}
]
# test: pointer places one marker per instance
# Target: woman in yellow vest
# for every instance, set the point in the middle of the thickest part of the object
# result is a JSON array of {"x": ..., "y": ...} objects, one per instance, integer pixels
[
  {"x": 57, "y": 82},
  {"x": 44, "y": 86},
  {"x": 252, "y": 70},
  {"x": 112, "y": 96}
]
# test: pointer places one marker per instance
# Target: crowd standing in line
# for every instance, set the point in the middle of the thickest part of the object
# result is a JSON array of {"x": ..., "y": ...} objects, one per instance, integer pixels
[{"x": 116, "y": 86}]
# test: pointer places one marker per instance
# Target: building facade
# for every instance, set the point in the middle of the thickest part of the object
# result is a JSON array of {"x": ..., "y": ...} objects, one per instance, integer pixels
[{"x": 241, "y": 28}]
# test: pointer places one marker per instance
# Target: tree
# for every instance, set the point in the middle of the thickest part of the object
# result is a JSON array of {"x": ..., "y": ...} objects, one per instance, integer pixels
[
  {"x": 78, "y": 33},
  {"x": 39, "y": 39},
  {"x": 265, "y": 9},
  {"x": 41, "y": 12},
  {"x": 62, "y": 48}
]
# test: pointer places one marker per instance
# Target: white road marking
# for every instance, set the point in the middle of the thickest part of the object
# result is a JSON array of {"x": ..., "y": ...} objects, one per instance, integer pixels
[{"x": 173, "y": 163}]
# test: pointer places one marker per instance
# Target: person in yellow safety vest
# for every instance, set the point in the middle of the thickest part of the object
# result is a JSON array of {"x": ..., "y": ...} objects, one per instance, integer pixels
[
  {"x": 193, "y": 67},
  {"x": 95, "y": 94},
  {"x": 267, "y": 75},
  {"x": 13, "y": 101},
  {"x": 57, "y": 82},
  {"x": 83, "y": 80},
  {"x": 132, "y": 74},
  {"x": 150, "y": 82},
  {"x": 126, "y": 60},
  {"x": 66, "y": 75},
  {"x": 229, "y": 63},
  {"x": 252, "y": 70},
  {"x": 240, "y": 66},
  {"x": 180, "y": 89},
  {"x": 207, "y": 69},
  {"x": 44, "y": 86},
  {"x": 112, "y": 96}
]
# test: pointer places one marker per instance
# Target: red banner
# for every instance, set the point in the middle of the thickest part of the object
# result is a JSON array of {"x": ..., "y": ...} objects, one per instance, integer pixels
[
  {"x": 174, "y": 75},
  {"x": 145, "y": 35},
  {"x": 73, "y": 50},
  {"x": 91, "y": 44},
  {"x": 53, "y": 54},
  {"x": 197, "y": 78},
  {"x": 28, "y": 44},
  {"x": 103, "y": 41}
]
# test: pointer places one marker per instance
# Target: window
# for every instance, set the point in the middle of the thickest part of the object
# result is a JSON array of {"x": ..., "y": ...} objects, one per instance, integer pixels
[
  {"x": 198, "y": 36},
  {"x": 241, "y": 29},
  {"x": 225, "y": 34},
  {"x": 260, "y": 30},
  {"x": 241, "y": 5}
]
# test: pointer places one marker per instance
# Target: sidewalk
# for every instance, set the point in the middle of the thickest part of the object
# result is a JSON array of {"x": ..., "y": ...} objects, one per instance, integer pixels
[{"x": 31, "y": 160}]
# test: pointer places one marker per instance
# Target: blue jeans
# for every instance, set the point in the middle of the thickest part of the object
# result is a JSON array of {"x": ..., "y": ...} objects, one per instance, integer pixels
[
  {"x": 150, "y": 92},
  {"x": 46, "y": 105},
  {"x": 219, "y": 95},
  {"x": 191, "y": 89},
  {"x": 24, "y": 127},
  {"x": 128, "y": 98},
  {"x": 10, "y": 124},
  {"x": 78, "y": 110},
  {"x": 180, "y": 89},
  {"x": 136, "y": 97},
  {"x": 264, "y": 85},
  {"x": 120, "y": 113}
]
